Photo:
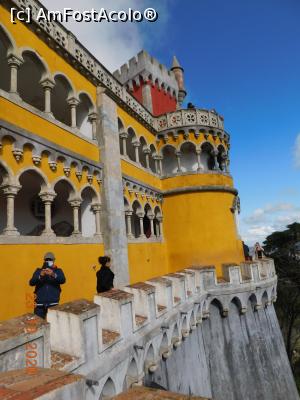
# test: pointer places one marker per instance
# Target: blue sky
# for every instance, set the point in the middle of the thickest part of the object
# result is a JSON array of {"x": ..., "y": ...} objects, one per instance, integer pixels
[{"x": 241, "y": 58}]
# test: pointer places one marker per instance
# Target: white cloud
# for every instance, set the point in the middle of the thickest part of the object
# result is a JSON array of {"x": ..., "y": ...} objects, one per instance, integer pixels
[
  {"x": 265, "y": 220},
  {"x": 111, "y": 43},
  {"x": 297, "y": 151}
]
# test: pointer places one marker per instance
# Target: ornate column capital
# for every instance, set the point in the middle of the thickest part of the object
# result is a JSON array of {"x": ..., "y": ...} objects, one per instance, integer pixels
[
  {"x": 123, "y": 135},
  {"x": 151, "y": 216},
  {"x": 146, "y": 150},
  {"x": 14, "y": 61},
  {"x": 10, "y": 190},
  {"x": 178, "y": 153},
  {"x": 47, "y": 83},
  {"x": 73, "y": 101},
  {"x": 128, "y": 213},
  {"x": 93, "y": 116},
  {"x": 136, "y": 144},
  {"x": 47, "y": 196},
  {"x": 75, "y": 203},
  {"x": 96, "y": 207},
  {"x": 140, "y": 214}
]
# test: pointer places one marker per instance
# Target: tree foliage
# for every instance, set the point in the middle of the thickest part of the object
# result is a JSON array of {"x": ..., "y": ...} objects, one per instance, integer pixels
[{"x": 284, "y": 248}]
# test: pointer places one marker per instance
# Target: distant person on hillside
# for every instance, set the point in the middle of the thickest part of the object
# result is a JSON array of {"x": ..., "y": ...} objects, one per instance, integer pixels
[
  {"x": 105, "y": 276},
  {"x": 47, "y": 281},
  {"x": 259, "y": 251},
  {"x": 246, "y": 251}
]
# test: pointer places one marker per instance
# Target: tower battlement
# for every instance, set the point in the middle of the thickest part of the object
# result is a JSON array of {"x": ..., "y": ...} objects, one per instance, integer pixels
[{"x": 148, "y": 68}]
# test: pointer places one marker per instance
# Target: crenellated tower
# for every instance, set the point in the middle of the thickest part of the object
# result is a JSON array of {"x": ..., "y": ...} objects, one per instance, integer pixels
[{"x": 159, "y": 89}]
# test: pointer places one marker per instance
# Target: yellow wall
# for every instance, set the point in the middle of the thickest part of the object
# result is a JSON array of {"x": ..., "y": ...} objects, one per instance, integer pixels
[
  {"x": 18, "y": 262},
  {"x": 200, "y": 230},
  {"x": 25, "y": 119},
  {"x": 147, "y": 260}
]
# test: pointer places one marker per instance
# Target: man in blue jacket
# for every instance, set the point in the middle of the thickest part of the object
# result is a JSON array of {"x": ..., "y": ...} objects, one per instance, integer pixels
[{"x": 47, "y": 281}]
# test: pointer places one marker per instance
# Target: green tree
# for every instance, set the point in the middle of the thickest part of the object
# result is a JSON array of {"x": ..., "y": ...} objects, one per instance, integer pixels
[{"x": 284, "y": 248}]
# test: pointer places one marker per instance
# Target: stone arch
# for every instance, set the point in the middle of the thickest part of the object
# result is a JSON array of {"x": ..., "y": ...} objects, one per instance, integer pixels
[
  {"x": 222, "y": 154},
  {"x": 252, "y": 300},
  {"x": 63, "y": 91},
  {"x": 188, "y": 157},
  {"x": 156, "y": 223},
  {"x": 264, "y": 298},
  {"x": 83, "y": 110},
  {"x": 146, "y": 221},
  {"x": 121, "y": 130},
  {"x": 132, "y": 374},
  {"x": 152, "y": 154},
  {"x": 62, "y": 219},
  {"x": 237, "y": 302},
  {"x": 135, "y": 220},
  {"x": 89, "y": 197},
  {"x": 169, "y": 160},
  {"x": 206, "y": 157},
  {"x": 6, "y": 174},
  {"x": 108, "y": 390},
  {"x": 216, "y": 303},
  {"x": 142, "y": 155},
  {"x": 126, "y": 204},
  {"x": 6, "y": 177},
  {"x": 132, "y": 137},
  {"x": 7, "y": 46},
  {"x": 30, "y": 75},
  {"x": 34, "y": 169},
  {"x": 176, "y": 336},
  {"x": 150, "y": 355},
  {"x": 29, "y": 207},
  {"x": 192, "y": 320},
  {"x": 7, "y": 36}
]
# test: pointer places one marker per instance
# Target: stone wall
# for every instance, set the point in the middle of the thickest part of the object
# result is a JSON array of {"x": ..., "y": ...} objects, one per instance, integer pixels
[{"x": 187, "y": 332}]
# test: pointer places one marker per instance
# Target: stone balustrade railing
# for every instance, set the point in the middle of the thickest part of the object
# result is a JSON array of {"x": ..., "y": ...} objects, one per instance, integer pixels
[
  {"x": 123, "y": 334},
  {"x": 189, "y": 117}
]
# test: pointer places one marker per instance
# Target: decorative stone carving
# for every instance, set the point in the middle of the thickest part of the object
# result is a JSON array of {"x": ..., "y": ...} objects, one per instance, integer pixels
[
  {"x": 36, "y": 160},
  {"x": 18, "y": 154}
]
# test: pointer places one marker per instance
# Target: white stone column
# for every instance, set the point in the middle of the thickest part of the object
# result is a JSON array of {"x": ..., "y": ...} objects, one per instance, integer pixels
[
  {"x": 160, "y": 231},
  {"x": 136, "y": 146},
  {"x": 73, "y": 103},
  {"x": 47, "y": 84},
  {"x": 112, "y": 216},
  {"x": 128, "y": 215},
  {"x": 215, "y": 156},
  {"x": 147, "y": 154},
  {"x": 10, "y": 192},
  {"x": 14, "y": 63},
  {"x": 92, "y": 119},
  {"x": 96, "y": 208},
  {"x": 75, "y": 204},
  {"x": 124, "y": 136},
  {"x": 151, "y": 218},
  {"x": 178, "y": 156},
  {"x": 141, "y": 217},
  {"x": 200, "y": 165},
  {"x": 47, "y": 198}
]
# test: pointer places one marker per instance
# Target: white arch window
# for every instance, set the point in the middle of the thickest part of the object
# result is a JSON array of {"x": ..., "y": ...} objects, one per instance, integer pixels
[
  {"x": 88, "y": 222},
  {"x": 188, "y": 157},
  {"x": 5, "y": 49},
  {"x": 30, "y": 75},
  {"x": 207, "y": 159},
  {"x": 169, "y": 161},
  {"x": 60, "y": 96},
  {"x": 84, "y": 111},
  {"x": 131, "y": 139}
]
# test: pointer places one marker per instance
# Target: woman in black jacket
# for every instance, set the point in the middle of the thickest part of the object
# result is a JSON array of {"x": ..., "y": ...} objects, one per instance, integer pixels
[{"x": 105, "y": 276}]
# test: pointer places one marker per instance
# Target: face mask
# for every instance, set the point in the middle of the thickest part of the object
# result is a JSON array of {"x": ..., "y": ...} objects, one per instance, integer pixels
[{"x": 49, "y": 263}]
